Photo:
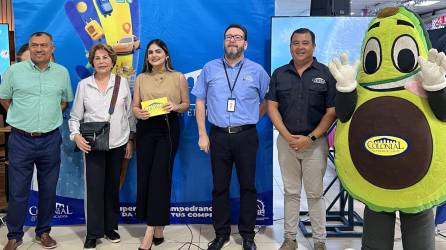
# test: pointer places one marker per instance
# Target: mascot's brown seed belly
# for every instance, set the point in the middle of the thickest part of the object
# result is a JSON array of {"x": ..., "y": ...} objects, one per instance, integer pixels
[{"x": 395, "y": 117}]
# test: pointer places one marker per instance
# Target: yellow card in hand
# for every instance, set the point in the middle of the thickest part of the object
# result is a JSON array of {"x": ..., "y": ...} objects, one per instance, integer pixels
[{"x": 155, "y": 106}]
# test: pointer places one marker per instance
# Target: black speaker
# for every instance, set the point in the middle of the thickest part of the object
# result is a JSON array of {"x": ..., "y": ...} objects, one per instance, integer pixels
[
  {"x": 438, "y": 39},
  {"x": 341, "y": 7},
  {"x": 320, "y": 8},
  {"x": 330, "y": 8}
]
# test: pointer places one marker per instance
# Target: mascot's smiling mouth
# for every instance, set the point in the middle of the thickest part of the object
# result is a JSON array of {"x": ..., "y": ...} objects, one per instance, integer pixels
[{"x": 411, "y": 84}]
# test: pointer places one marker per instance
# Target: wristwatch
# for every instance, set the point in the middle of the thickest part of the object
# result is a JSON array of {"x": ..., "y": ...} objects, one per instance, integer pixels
[{"x": 312, "y": 137}]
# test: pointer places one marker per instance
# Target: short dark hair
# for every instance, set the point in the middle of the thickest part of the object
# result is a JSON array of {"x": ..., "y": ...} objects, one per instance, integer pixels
[
  {"x": 304, "y": 31},
  {"x": 238, "y": 26},
  {"x": 160, "y": 43},
  {"x": 111, "y": 53},
  {"x": 22, "y": 49},
  {"x": 41, "y": 33}
]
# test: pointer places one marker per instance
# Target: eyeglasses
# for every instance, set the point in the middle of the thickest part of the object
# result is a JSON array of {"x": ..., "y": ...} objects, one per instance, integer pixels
[{"x": 237, "y": 38}]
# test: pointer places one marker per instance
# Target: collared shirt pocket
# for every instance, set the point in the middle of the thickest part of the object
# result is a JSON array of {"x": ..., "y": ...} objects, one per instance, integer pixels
[
  {"x": 249, "y": 88},
  {"x": 316, "y": 95},
  {"x": 51, "y": 89},
  {"x": 284, "y": 92}
]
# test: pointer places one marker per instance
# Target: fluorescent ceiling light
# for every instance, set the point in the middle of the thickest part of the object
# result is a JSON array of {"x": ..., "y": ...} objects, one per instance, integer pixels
[
  {"x": 427, "y": 3},
  {"x": 422, "y": 3}
]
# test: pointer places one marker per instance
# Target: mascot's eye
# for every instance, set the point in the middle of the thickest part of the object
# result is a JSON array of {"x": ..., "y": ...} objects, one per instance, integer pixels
[
  {"x": 405, "y": 54},
  {"x": 372, "y": 56}
]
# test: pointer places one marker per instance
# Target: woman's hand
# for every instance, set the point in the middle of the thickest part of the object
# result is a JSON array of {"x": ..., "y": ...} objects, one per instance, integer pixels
[
  {"x": 129, "y": 150},
  {"x": 140, "y": 114},
  {"x": 82, "y": 144},
  {"x": 170, "y": 107}
]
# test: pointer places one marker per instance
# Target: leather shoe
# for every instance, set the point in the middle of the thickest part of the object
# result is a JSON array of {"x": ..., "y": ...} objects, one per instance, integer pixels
[
  {"x": 90, "y": 244},
  {"x": 46, "y": 241},
  {"x": 13, "y": 244},
  {"x": 218, "y": 243},
  {"x": 249, "y": 245},
  {"x": 158, "y": 241}
]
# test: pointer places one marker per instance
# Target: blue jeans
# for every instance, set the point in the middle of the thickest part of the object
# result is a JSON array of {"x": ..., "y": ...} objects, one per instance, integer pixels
[{"x": 25, "y": 152}]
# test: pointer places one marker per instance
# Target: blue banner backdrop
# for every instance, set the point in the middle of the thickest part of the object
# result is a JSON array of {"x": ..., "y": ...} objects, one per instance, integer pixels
[{"x": 193, "y": 31}]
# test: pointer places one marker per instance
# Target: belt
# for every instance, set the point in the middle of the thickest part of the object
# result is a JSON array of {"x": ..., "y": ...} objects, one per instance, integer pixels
[
  {"x": 32, "y": 134},
  {"x": 235, "y": 129}
]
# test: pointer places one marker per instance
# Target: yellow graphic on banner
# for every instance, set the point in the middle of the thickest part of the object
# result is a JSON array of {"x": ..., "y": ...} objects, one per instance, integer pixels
[
  {"x": 386, "y": 145},
  {"x": 117, "y": 26}
]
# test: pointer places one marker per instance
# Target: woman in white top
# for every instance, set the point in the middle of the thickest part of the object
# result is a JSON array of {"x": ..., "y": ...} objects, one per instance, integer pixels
[{"x": 102, "y": 168}]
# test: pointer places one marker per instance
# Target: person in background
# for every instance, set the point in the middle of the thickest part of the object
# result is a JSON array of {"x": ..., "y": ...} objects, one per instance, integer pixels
[
  {"x": 157, "y": 138},
  {"x": 23, "y": 53},
  {"x": 102, "y": 168}
]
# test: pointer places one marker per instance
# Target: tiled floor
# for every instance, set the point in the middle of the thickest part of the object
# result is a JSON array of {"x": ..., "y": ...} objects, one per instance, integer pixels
[{"x": 180, "y": 236}]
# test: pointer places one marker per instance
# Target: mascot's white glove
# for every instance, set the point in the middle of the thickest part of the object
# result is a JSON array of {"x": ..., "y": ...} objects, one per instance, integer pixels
[
  {"x": 344, "y": 73},
  {"x": 433, "y": 70}
]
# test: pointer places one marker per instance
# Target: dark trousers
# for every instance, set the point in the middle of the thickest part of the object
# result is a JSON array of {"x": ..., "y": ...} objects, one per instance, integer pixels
[
  {"x": 25, "y": 152},
  {"x": 227, "y": 149},
  {"x": 156, "y": 146},
  {"x": 417, "y": 230},
  {"x": 102, "y": 171}
]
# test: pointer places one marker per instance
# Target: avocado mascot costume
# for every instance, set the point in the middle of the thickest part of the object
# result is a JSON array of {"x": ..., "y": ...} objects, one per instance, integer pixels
[{"x": 391, "y": 138}]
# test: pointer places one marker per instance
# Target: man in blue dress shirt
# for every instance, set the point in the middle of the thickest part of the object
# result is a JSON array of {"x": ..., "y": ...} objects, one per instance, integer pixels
[{"x": 233, "y": 88}]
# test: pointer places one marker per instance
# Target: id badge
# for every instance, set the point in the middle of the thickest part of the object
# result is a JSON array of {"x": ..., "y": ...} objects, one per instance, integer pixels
[{"x": 231, "y": 105}]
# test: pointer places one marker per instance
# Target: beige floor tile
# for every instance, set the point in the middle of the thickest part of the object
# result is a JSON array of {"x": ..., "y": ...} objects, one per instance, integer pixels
[
  {"x": 440, "y": 245},
  {"x": 104, "y": 244},
  {"x": 131, "y": 234},
  {"x": 341, "y": 244},
  {"x": 260, "y": 246},
  {"x": 207, "y": 234},
  {"x": 182, "y": 233},
  {"x": 164, "y": 246},
  {"x": 441, "y": 238}
]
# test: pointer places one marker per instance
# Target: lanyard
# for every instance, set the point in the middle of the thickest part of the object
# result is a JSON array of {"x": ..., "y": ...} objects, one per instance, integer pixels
[{"x": 227, "y": 77}]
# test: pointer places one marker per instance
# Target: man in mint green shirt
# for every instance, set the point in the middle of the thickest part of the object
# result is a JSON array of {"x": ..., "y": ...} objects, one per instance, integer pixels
[{"x": 34, "y": 92}]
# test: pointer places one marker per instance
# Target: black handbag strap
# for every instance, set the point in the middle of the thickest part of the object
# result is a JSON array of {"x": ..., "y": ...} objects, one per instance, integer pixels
[{"x": 115, "y": 95}]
